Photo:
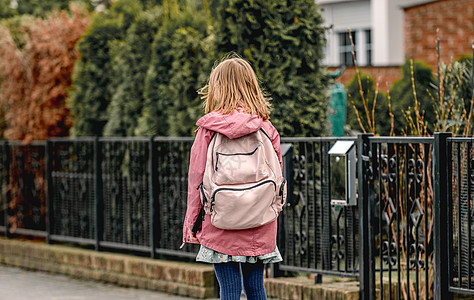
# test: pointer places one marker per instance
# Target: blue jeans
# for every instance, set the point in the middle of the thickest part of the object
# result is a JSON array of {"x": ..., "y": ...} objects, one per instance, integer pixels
[{"x": 232, "y": 276}]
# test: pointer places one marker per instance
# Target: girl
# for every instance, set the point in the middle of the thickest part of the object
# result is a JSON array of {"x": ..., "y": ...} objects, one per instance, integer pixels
[{"x": 235, "y": 106}]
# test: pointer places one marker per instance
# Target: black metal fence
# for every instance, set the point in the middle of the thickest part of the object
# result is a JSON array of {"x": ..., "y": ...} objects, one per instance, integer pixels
[
  {"x": 23, "y": 200},
  {"x": 401, "y": 202},
  {"x": 119, "y": 193},
  {"x": 130, "y": 193},
  {"x": 408, "y": 237},
  {"x": 460, "y": 174},
  {"x": 315, "y": 236}
]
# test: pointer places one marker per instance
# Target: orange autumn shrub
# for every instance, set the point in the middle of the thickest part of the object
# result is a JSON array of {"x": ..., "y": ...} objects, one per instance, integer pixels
[{"x": 35, "y": 78}]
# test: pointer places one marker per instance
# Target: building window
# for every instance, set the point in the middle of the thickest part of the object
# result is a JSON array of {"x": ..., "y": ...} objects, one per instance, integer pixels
[
  {"x": 368, "y": 46},
  {"x": 345, "y": 48}
]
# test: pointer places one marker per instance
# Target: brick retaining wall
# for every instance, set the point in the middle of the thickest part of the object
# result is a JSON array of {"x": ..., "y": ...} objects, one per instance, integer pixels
[
  {"x": 179, "y": 278},
  {"x": 185, "y": 279}
]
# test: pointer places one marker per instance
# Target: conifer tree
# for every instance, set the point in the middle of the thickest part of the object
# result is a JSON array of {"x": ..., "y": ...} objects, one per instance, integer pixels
[
  {"x": 180, "y": 52},
  {"x": 402, "y": 94},
  {"x": 130, "y": 62},
  {"x": 6, "y": 11},
  {"x": 93, "y": 73},
  {"x": 283, "y": 41},
  {"x": 380, "y": 114},
  {"x": 189, "y": 73},
  {"x": 41, "y": 8}
]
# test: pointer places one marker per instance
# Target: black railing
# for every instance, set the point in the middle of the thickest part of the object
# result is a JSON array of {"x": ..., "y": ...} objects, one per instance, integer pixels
[
  {"x": 4, "y": 178},
  {"x": 120, "y": 193},
  {"x": 24, "y": 188},
  {"x": 130, "y": 193},
  {"x": 460, "y": 215},
  {"x": 400, "y": 185},
  {"x": 315, "y": 236},
  {"x": 72, "y": 178},
  {"x": 172, "y": 160},
  {"x": 408, "y": 237}
]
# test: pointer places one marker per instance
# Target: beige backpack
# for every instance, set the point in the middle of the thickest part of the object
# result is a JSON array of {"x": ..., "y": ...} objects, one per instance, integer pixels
[{"x": 243, "y": 186}]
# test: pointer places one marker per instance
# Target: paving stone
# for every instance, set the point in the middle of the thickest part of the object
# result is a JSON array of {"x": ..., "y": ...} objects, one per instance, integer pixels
[{"x": 20, "y": 284}]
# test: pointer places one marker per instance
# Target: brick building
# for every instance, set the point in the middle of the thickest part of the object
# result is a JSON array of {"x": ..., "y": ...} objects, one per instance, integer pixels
[
  {"x": 387, "y": 32},
  {"x": 455, "y": 21}
]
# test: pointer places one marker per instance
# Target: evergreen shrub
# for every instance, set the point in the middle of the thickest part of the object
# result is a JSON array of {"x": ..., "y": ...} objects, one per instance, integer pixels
[
  {"x": 403, "y": 96},
  {"x": 283, "y": 41},
  {"x": 91, "y": 94},
  {"x": 179, "y": 66},
  {"x": 378, "y": 113},
  {"x": 130, "y": 61}
]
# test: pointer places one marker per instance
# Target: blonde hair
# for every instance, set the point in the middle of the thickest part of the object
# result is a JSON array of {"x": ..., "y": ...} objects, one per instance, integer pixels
[{"x": 233, "y": 85}]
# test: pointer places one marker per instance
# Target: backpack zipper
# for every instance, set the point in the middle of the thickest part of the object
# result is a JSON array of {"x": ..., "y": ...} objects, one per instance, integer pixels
[
  {"x": 213, "y": 197},
  {"x": 231, "y": 154}
]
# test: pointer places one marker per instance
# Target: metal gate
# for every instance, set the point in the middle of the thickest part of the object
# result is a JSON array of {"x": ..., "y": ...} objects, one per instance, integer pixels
[{"x": 395, "y": 177}]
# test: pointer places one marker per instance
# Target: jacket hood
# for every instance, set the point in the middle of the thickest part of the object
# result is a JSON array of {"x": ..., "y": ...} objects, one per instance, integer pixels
[{"x": 233, "y": 125}]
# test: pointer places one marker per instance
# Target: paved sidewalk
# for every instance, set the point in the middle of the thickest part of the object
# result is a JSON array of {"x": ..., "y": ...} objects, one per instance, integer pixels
[{"x": 19, "y": 284}]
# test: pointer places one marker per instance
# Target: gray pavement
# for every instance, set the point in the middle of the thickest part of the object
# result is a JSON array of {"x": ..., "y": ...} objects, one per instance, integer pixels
[{"x": 19, "y": 284}]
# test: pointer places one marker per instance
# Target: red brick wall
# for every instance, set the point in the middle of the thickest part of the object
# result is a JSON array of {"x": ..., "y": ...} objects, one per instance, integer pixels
[
  {"x": 385, "y": 76},
  {"x": 455, "y": 20}
]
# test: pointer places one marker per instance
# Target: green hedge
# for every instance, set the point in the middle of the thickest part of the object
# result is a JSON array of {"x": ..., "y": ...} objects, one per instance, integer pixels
[
  {"x": 130, "y": 61},
  {"x": 283, "y": 41},
  {"x": 142, "y": 64},
  {"x": 91, "y": 93}
]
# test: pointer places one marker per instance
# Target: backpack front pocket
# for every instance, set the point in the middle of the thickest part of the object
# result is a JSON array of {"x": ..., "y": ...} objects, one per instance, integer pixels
[
  {"x": 245, "y": 167},
  {"x": 243, "y": 208}
]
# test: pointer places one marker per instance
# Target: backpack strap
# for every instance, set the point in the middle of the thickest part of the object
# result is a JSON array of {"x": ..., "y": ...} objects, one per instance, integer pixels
[
  {"x": 263, "y": 130},
  {"x": 198, "y": 224},
  {"x": 212, "y": 137}
]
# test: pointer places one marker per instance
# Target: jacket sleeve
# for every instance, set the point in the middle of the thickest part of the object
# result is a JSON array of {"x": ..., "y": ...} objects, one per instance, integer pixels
[{"x": 197, "y": 165}]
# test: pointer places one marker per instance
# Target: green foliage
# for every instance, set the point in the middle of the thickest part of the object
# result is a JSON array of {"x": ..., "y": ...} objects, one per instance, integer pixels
[
  {"x": 124, "y": 84},
  {"x": 178, "y": 68},
  {"x": 378, "y": 113},
  {"x": 40, "y": 8},
  {"x": 403, "y": 95},
  {"x": 453, "y": 107},
  {"x": 6, "y": 11},
  {"x": 188, "y": 74},
  {"x": 93, "y": 73},
  {"x": 283, "y": 41},
  {"x": 457, "y": 80},
  {"x": 16, "y": 26},
  {"x": 130, "y": 61},
  {"x": 91, "y": 5},
  {"x": 148, "y": 4}
]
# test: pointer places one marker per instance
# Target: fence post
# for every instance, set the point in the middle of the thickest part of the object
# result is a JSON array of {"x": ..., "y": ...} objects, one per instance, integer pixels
[
  {"x": 98, "y": 194},
  {"x": 49, "y": 192},
  {"x": 154, "y": 202},
  {"x": 441, "y": 210},
  {"x": 367, "y": 235},
  {"x": 6, "y": 165}
]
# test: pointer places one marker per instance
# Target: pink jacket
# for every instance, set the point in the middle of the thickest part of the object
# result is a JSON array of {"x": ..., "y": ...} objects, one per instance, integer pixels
[{"x": 247, "y": 242}]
